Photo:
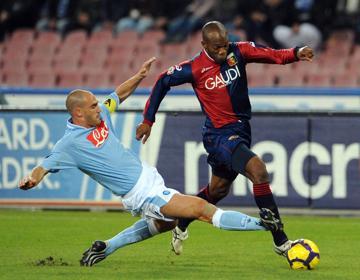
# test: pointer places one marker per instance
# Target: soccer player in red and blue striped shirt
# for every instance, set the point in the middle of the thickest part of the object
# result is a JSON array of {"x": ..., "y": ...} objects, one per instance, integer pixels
[{"x": 218, "y": 77}]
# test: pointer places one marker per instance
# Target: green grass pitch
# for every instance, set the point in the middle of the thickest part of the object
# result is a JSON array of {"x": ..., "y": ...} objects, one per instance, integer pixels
[{"x": 49, "y": 244}]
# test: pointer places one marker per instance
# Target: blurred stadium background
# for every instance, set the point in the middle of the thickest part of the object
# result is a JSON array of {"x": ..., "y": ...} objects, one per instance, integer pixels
[{"x": 306, "y": 122}]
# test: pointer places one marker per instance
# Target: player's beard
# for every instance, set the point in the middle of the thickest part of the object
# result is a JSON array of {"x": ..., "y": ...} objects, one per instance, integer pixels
[
  {"x": 97, "y": 120},
  {"x": 220, "y": 59},
  {"x": 93, "y": 120}
]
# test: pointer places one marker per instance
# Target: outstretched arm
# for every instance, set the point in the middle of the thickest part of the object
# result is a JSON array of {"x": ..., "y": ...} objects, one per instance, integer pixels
[
  {"x": 260, "y": 54},
  {"x": 33, "y": 179},
  {"x": 175, "y": 75},
  {"x": 126, "y": 88}
]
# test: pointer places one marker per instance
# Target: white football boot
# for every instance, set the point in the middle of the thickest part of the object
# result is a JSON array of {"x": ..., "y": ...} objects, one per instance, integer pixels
[
  {"x": 178, "y": 236},
  {"x": 282, "y": 249}
]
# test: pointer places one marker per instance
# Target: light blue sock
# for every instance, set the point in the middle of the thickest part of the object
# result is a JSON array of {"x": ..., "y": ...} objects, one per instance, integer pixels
[
  {"x": 139, "y": 231},
  {"x": 232, "y": 220}
]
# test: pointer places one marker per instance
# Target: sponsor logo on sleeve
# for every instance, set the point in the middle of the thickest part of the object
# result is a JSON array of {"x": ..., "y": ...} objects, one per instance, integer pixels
[{"x": 172, "y": 69}]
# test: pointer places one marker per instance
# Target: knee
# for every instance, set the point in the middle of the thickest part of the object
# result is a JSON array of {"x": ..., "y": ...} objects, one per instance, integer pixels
[
  {"x": 260, "y": 176},
  {"x": 219, "y": 191},
  {"x": 258, "y": 173},
  {"x": 200, "y": 210}
]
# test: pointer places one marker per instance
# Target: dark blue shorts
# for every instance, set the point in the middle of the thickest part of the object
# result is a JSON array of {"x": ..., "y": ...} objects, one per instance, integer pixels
[{"x": 220, "y": 144}]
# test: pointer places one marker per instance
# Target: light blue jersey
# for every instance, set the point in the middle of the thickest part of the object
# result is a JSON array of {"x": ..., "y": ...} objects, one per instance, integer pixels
[{"x": 98, "y": 153}]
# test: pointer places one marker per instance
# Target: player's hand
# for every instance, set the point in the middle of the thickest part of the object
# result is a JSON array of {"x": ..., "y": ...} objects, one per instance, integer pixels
[
  {"x": 27, "y": 183},
  {"x": 305, "y": 53},
  {"x": 143, "y": 131},
  {"x": 145, "y": 68}
]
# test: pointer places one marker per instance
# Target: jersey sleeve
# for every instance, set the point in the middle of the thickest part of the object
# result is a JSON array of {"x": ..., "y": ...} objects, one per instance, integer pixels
[
  {"x": 58, "y": 160},
  {"x": 261, "y": 54},
  {"x": 111, "y": 102},
  {"x": 60, "y": 157},
  {"x": 174, "y": 76}
]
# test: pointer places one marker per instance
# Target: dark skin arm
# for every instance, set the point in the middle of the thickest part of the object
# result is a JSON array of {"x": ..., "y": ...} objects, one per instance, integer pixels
[{"x": 143, "y": 131}]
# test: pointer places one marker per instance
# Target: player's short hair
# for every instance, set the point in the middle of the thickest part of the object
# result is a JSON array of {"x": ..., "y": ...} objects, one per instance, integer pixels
[{"x": 74, "y": 99}]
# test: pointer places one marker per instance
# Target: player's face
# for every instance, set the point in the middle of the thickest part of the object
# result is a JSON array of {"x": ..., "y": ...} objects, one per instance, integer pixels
[
  {"x": 91, "y": 111},
  {"x": 217, "y": 48}
]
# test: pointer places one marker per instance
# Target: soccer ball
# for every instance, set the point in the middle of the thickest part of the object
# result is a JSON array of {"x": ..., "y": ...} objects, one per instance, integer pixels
[{"x": 303, "y": 254}]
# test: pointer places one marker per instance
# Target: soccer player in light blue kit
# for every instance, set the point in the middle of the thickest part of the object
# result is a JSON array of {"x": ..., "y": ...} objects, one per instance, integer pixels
[{"x": 90, "y": 144}]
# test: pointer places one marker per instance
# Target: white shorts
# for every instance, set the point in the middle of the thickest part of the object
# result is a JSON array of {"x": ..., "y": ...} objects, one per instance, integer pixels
[{"x": 148, "y": 195}]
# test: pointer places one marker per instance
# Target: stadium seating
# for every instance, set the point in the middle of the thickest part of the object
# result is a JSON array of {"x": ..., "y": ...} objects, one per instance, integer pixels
[
  {"x": 101, "y": 36},
  {"x": 93, "y": 60},
  {"x": 46, "y": 51},
  {"x": 128, "y": 37},
  {"x": 23, "y": 36},
  {"x": 259, "y": 80},
  {"x": 42, "y": 80},
  {"x": 98, "y": 80},
  {"x": 70, "y": 79},
  {"x": 46, "y": 54},
  {"x": 119, "y": 75},
  {"x": 150, "y": 80},
  {"x": 15, "y": 78},
  {"x": 174, "y": 52},
  {"x": 14, "y": 64},
  {"x": 318, "y": 80},
  {"x": 291, "y": 79},
  {"x": 65, "y": 64},
  {"x": 148, "y": 50},
  {"x": 40, "y": 65},
  {"x": 17, "y": 47},
  {"x": 278, "y": 70},
  {"x": 46, "y": 43},
  {"x": 346, "y": 80},
  {"x": 118, "y": 62},
  {"x": 352, "y": 68},
  {"x": 253, "y": 69},
  {"x": 152, "y": 36},
  {"x": 76, "y": 37}
]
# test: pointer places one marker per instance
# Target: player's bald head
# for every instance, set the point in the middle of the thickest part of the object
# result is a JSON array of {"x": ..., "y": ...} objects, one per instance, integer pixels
[
  {"x": 215, "y": 41},
  {"x": 213, "y": 30},
  {"x": 76, "y": 98}
]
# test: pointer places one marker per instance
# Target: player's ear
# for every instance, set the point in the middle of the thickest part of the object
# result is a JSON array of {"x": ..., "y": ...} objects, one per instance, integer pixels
[
  {"x": 203, "y": 44},
  {"x": 77, "y": 112}
]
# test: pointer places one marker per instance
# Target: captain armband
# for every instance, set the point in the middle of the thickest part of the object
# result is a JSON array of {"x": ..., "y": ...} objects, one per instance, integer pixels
[{"x": 110, "y": 104}]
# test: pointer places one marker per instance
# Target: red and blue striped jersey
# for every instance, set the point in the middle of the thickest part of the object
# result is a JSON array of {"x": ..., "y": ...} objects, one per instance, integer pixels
[{"x": 221, "y": 89}]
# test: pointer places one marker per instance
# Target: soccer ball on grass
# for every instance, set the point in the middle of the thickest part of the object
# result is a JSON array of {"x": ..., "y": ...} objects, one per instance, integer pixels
[{"x": 303, "y": 254}]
